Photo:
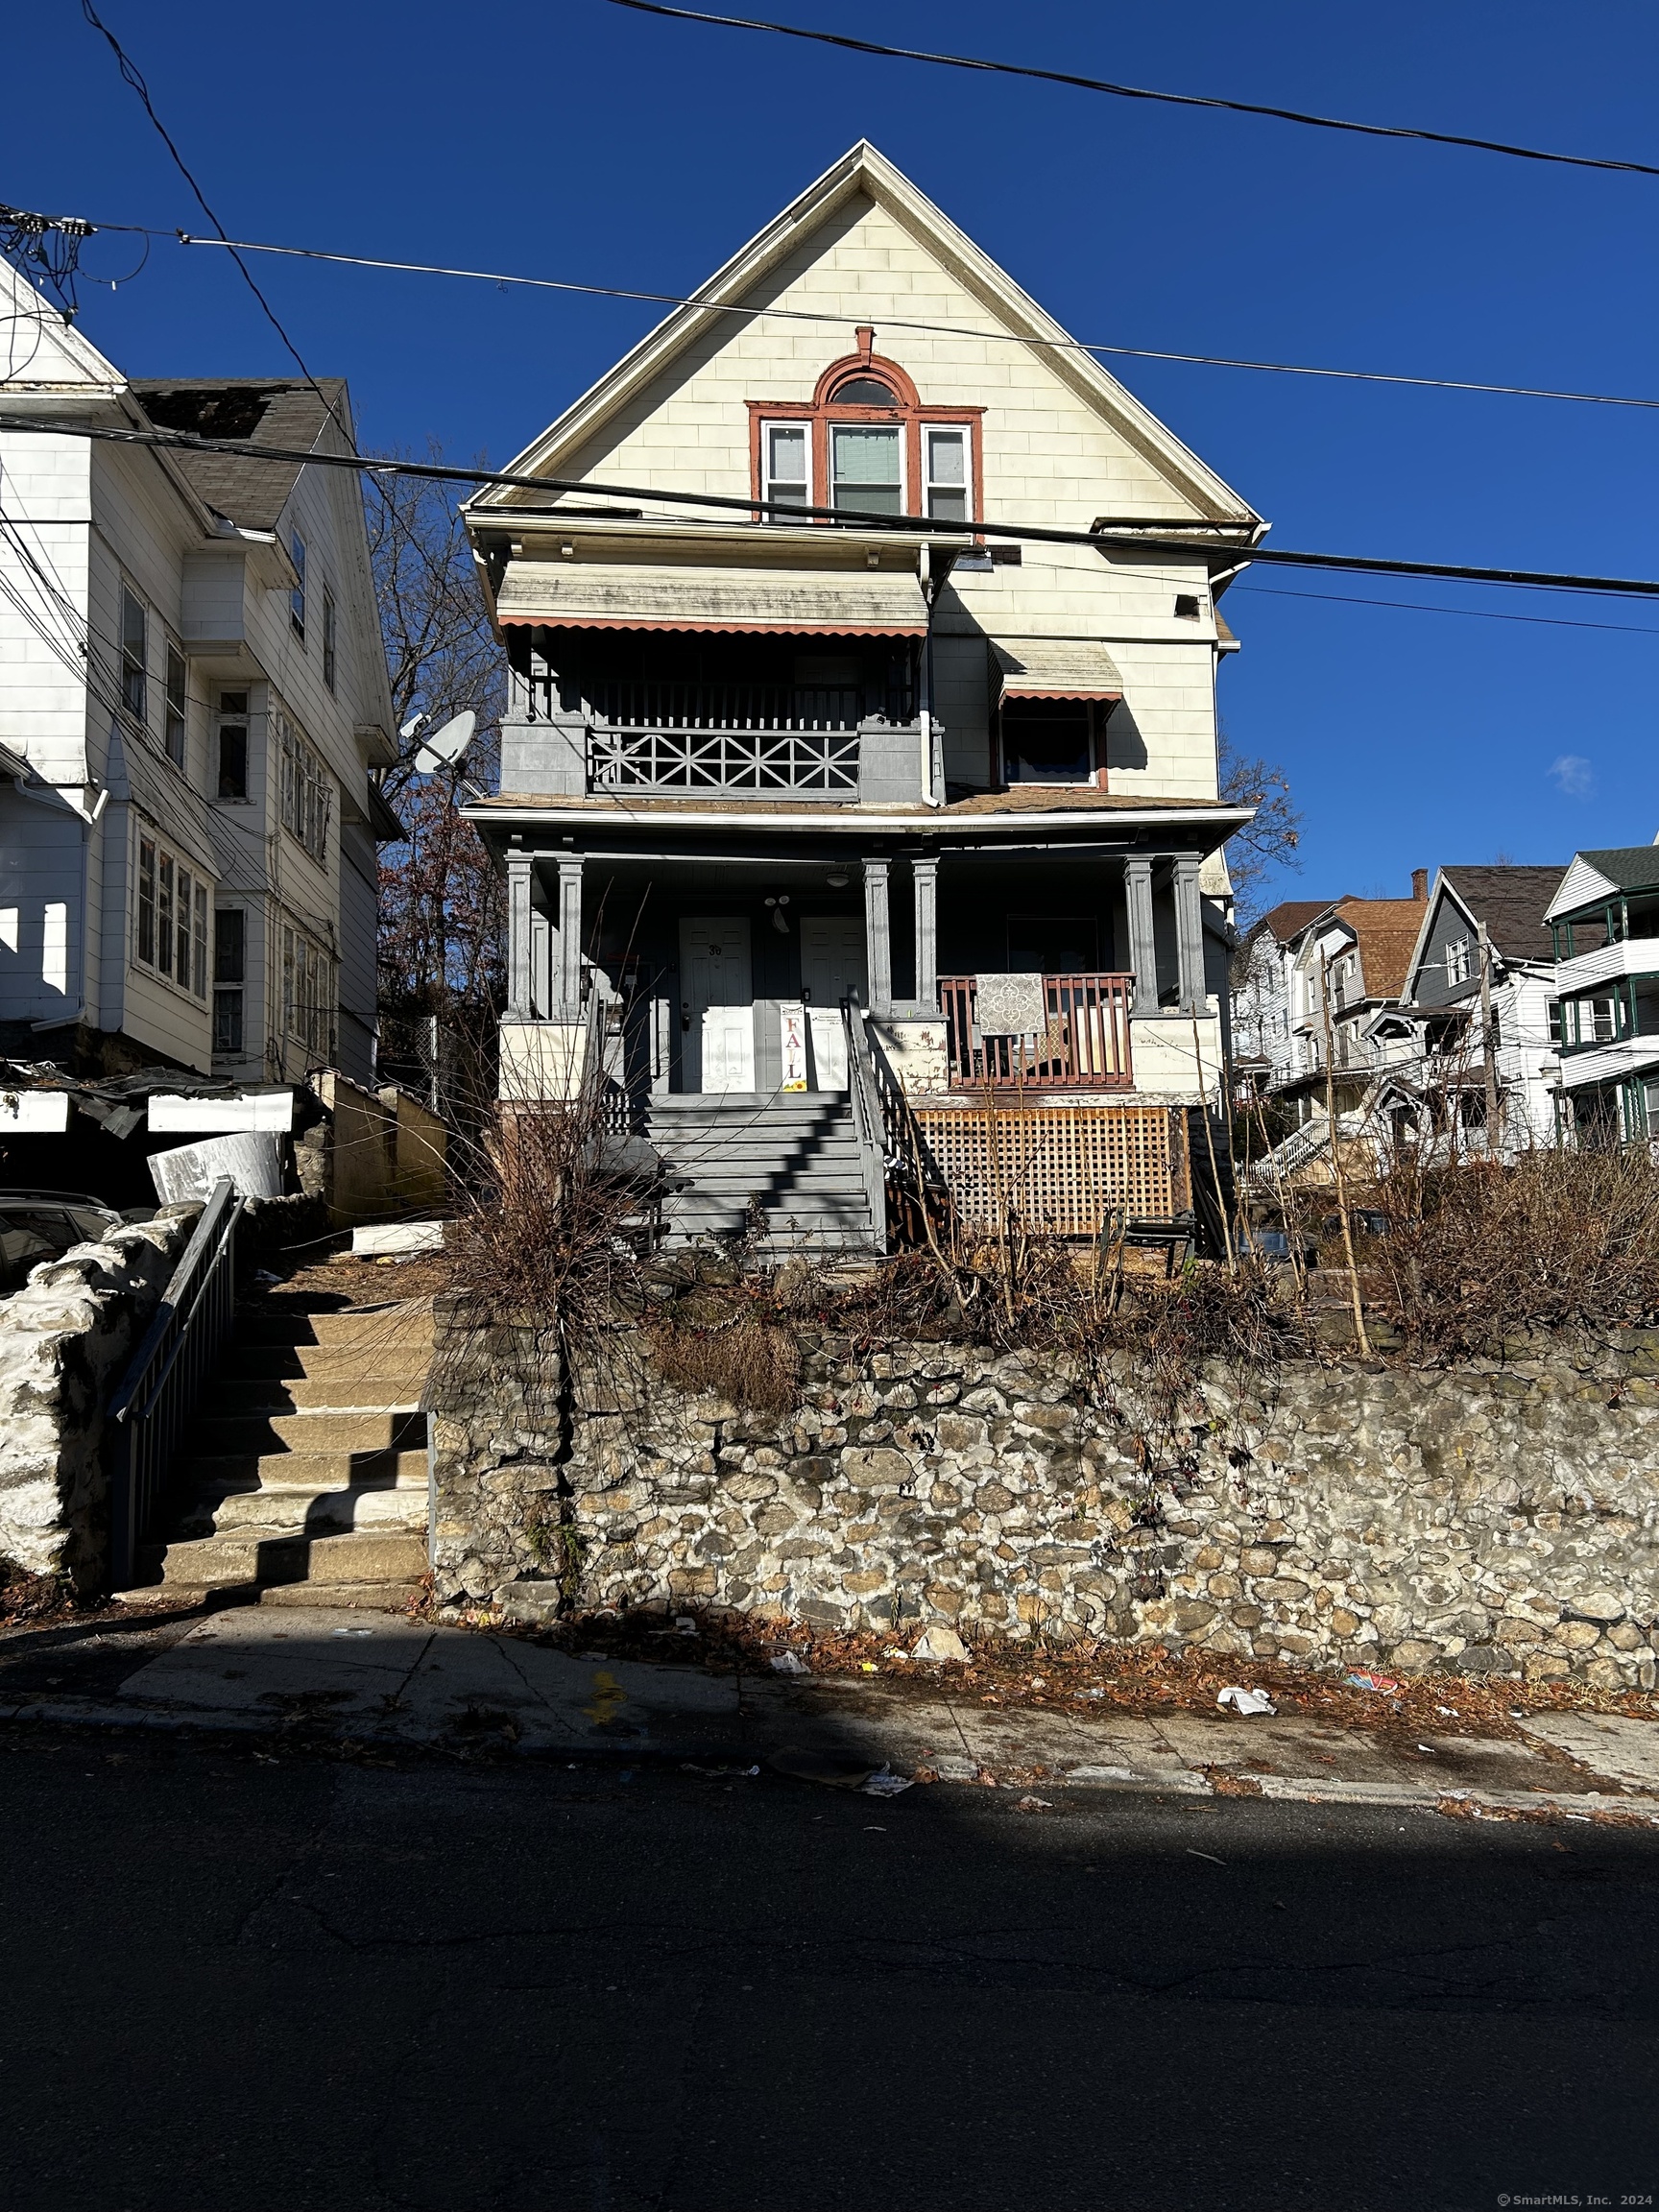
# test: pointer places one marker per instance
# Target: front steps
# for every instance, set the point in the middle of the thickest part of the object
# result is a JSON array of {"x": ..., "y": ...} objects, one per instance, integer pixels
[
  {"x": 793, "y": 1157},
  {"x": 305, "y": 1478}
]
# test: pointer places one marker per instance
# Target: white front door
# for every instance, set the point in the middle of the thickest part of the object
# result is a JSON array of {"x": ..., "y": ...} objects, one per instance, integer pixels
[
  {"x": 832, "y": 965},
  {"x": 717, "y": 1005}
]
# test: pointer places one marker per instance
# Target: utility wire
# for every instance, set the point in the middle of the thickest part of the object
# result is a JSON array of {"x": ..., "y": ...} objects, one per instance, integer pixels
[
  {"x": 1140, "y": 92},
  {"x": 895, "y": 323},
  {"x": 1235, "y": 551},
  {"x": 132, "y": 75},
  {"x": 504, "y": 278},
  {"x": 1424, "y": 607}
]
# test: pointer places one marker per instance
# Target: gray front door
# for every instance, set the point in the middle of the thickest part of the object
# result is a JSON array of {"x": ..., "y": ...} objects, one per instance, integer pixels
[{"x": 717, "y": 1005}]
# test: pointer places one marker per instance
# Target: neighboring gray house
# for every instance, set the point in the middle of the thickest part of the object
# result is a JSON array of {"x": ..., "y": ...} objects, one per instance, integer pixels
[{"x": 1442, "y": 1000}]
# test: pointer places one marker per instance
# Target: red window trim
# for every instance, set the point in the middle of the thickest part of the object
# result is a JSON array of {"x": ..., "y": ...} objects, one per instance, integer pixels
[{"x": 823, "y": 409}]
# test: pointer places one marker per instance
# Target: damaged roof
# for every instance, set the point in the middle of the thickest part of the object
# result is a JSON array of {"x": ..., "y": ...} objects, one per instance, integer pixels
[{"x": 282, "y": 412}]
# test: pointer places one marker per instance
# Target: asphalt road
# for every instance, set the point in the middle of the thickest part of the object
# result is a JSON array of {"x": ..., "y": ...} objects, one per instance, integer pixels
[{"x": 320, "y": 1982}]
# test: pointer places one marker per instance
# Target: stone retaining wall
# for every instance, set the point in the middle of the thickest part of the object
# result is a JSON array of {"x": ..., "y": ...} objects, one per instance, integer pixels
[
  {"x": 66, "y": 1338},
  {"x": 1493, "y": 1518}
]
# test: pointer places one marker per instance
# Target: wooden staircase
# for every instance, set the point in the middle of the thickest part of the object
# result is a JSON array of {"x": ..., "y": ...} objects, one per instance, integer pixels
[{"x": 303, "y": 1479}]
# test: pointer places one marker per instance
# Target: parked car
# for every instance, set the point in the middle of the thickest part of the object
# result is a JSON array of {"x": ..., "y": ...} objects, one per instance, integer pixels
[{"x": 37, "y": 1225}]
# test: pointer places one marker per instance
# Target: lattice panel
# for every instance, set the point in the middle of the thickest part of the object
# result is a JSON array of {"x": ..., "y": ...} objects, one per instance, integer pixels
[{"x": 1059, "y": 1167}]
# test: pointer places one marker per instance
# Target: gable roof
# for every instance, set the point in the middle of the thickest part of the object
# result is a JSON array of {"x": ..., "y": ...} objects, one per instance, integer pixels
[
  {"x": 1289, "y": 917},
  {"x": 283, "y": 412},
  {"x": 1512, "y": 901},
  {"x": 1595, "y": 877},
  {"x": 1386, "y": 932},
  {"x": 864, "y": 171}
]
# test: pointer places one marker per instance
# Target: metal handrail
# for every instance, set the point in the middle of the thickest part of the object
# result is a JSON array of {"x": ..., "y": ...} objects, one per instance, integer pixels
[
  {"x": 159, "y": 1392},
  {"x": 868, "y": 1117}
]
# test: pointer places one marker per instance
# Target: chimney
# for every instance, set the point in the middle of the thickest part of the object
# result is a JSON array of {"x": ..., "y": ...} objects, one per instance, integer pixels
[{"x": 1419, "y": 884}]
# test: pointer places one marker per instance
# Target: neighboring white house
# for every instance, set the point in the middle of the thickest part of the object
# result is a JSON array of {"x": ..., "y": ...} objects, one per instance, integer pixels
[
  {"x": 194, "y": 708},
  {"x": 1604, "y": 919},
  {"x": 1267, "y": 1048}
]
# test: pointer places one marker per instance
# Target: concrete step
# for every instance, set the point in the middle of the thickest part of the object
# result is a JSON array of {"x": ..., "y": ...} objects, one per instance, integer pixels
[
  {"x": 233, "y": 1396},
  {"x": 268, "y": 1555},
  {"x": 321, "y": 1364},
  {"x": 318, "y": 1472},
  {"x": 351, "y": 1326},
  {"x": 354, "y": 1597},
  {"x": 305, "y": 1512},
  {"x": 223, "y": 1434}
]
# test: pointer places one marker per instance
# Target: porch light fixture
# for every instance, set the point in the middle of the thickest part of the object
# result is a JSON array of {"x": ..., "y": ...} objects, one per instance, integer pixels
[
  {"x": 779, "y": 921},
  {"x": 837, "y": 879}
]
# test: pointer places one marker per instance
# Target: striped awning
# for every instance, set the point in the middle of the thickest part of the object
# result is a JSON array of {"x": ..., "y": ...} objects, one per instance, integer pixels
[
  {"x": 607, "y": 596},
  {"x": 1057, "y": 668}
]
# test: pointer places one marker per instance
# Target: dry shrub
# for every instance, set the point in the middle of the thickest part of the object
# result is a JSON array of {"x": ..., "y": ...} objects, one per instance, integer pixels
[
  {"x": 1476, "y": 1248},
  {"x": 749, "y": 1360}
]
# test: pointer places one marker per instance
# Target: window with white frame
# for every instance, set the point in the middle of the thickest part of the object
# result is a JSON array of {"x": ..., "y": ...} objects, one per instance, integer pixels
[
  {"x": 175, "y": 721},
  {"x": 296, "y": 597},
  {"x": 867, "y": 467},
  {"x": 229, "y": 976},
  {"x": 330, "y": 625},
  {"x": 232, "y": 725},
  {"x": 1460, "y": 962},
  {"x": 134, "y": 654},
  {"x": 308, "y": 995},
  {"x": 305, "y": 789},
  {"x": 945, "y": 464},
  {"x": 786, "y": 464},
  {"x": 170, "y": 917}
]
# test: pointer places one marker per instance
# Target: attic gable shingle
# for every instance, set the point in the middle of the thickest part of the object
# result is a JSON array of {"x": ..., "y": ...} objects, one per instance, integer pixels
[{"x": 265, "y": 411}]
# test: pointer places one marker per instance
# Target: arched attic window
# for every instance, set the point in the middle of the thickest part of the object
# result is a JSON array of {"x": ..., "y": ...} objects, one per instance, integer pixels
[{"x": 866, "y": 445}]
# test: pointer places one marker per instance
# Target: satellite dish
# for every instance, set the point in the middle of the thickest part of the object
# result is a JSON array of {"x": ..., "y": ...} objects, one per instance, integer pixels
[{"x": 445, "y": 746}]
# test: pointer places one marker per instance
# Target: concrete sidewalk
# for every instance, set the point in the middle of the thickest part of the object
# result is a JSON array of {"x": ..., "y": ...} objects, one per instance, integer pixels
[{"x": 375, "y": 1678}]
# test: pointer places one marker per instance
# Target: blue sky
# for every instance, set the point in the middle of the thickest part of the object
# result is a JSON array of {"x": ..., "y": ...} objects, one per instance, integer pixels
[{"x": 581, "y": 140}]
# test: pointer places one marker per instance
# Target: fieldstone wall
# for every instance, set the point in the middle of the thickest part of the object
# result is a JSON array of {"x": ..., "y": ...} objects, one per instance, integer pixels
[
  {"x": 1496, "y": 1518},
  {"x": 65, "y": 1341}
]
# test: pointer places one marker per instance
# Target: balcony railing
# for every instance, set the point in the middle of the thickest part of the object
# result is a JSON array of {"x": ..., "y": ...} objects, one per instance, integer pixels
[
  {"x": 765, "y": 764},
  {"x": 1084, "y": 1045},
  {"x": 645, "y": 705}
]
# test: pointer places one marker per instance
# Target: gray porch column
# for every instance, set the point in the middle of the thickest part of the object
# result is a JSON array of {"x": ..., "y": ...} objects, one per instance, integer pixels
[
  {"x": 927, "y": 875},
  {"x": 877, "y": 935},
  {"x": 519, "y": 951},
  {"x": 1143, "y": 947},
  {"x": 1188, "y": 933},
  {"x": 567, "y": 956}
]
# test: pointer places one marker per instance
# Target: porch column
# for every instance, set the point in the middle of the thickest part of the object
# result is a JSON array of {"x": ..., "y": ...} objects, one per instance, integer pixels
[
  {"x": 926, "y": 873},
  {"x": 877, "y": 935},
  {"x": 1143, "y": 947},
  {"x": 519, "y": 950},
  {"x": 1189, "y": 934},
  {"x": 568, "y": 958}
]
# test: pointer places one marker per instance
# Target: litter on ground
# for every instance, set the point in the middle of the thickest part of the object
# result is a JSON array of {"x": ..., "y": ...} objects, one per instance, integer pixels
[{"x": 1248, "y": 1702}]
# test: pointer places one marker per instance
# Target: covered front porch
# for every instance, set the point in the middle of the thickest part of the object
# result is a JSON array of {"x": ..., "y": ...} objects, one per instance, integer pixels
[{"x": 1061, "y": 973}]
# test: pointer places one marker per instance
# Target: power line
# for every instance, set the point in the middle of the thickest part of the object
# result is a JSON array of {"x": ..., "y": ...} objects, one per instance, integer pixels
[
  {"x": 895, "y": 323},
  {"x": 1234, "y": 550},
  {"x": 1142, "y": 91},
  {"x": 132, "y": 75},
  {"x": 503, "y": 279},
  {"x": 1423, "y": 606}
]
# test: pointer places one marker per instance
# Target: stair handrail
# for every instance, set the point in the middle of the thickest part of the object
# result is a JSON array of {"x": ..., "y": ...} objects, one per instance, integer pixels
[
  {"x": 160, "y": 1388},
  {"x": 869, "y": 1119}
]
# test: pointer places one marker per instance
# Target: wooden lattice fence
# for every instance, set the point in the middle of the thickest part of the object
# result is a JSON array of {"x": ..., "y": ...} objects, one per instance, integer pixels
[{"x": 1063, "y": 1169}]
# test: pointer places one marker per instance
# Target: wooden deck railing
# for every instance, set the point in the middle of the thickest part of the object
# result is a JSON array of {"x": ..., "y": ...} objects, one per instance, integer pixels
[{"x": 1084, "y": 1045}]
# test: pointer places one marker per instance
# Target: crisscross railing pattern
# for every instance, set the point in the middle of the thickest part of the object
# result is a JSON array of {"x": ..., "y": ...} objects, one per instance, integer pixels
[{"x": 797, "y": 763}]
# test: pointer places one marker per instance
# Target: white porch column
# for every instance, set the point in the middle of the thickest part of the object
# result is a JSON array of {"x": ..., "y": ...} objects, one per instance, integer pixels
[
  {"x": 1189, "y": 934},
  {"x": 926, "y": 875},
  {"x": 878, "y": 936},
  {"x": 518, "y": 949},
  {"x": 1142, "y": 944},
  {"x": 568, "y": 958}
]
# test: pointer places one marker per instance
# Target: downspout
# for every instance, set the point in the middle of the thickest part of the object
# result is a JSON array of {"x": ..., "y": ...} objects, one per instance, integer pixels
[{"x": 930, "y": 798}]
